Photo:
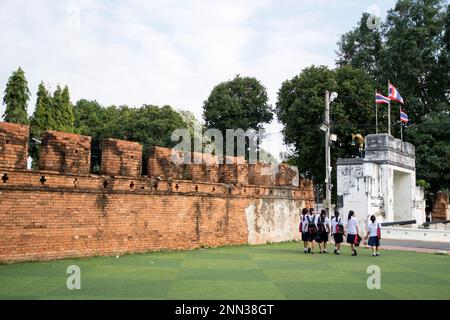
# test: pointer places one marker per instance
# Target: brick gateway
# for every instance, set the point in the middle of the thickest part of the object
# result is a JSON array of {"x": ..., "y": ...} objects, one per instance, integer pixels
[{"x": 64, "y": 211}]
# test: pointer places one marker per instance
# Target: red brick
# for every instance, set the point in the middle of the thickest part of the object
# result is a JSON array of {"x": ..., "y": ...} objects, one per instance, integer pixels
[{"x": 65, "y": 152}]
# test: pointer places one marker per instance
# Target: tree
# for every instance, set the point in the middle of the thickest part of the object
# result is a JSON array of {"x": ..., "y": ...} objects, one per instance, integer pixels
[
  {"x": 414, "y": 55},
  {"x": 90, "y": 119},
  {"x": 410, "y": 48},
  {"x": 149, "y": 125},
  {"x": 431, "y": 138},
  {"x": 300, "y": 108},
  {"x": 362, "y": 48},
  {"x": 68, "y": 119},
  {"x": 40, "y": 121},
  {"x": 301, "y": 105},
  {"x": 195, "y": 127},
  {"x": 62, "y": 110},
  {"x": 239, "y": 103},
  {"x": 16, "y": 98}
]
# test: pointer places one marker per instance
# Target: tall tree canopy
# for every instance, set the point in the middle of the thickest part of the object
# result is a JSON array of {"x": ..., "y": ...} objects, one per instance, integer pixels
[
  {"x": 40, "y": 121},
  {"x": 16, "y": 98},
  {"x": 362, "y": 48},
  {"x": 62, "y": 110},
  {"x": 239, "y": 103},
  {"x": 411, "y": 48},
  {"x": 149, "y": 125},
  {"x": 301, "y": 105},
  {"x": 42, "y": 118}
]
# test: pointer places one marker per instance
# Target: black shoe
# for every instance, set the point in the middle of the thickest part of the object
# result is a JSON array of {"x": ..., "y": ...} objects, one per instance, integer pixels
[
  {"x": 309, "y": 250},
  {"x": 335, "y": 251},
  {"x": 354, "y": 253}
]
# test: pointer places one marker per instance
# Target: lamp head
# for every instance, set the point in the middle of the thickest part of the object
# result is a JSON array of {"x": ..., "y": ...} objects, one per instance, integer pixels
[
  {"x": 333, "y": 96},
  {"x": 323, "y": 127}
]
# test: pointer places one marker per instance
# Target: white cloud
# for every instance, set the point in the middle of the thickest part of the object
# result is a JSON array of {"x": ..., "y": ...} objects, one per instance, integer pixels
[{"x": 164, "y": 52}]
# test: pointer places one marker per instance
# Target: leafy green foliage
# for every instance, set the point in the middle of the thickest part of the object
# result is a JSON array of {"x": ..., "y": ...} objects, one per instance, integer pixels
[
  {"x": 362, "y": 48},
  {"x": 40, "y": 121},
  {"x": 301, "y": 105},
  {"x": 16, "y": 98},
  {"x": 432, "y": 140},
  {"x": 411, "y": 48},
  {"x": 239, "y": 103},
  {"x": 149, "y": 125},
  {"x": 62, "y": 110}
]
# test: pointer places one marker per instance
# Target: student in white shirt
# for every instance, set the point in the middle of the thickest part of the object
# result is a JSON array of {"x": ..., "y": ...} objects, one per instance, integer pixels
[
  {"x": 304, "y": 230},
  {"x": 312, "y": 229},
  {"x": 337, "y": 229},
  {"x": 373, "y": 235},
  {"x": 323, "y": 224},
  {"x": 352, "y": 231}
]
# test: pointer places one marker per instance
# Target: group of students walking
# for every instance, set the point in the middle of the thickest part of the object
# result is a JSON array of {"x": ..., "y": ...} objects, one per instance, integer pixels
[{"x": 316, "y": 228}]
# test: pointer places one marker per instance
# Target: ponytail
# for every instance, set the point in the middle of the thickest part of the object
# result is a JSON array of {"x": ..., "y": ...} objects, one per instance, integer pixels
[{"x": 350, "y": 214}]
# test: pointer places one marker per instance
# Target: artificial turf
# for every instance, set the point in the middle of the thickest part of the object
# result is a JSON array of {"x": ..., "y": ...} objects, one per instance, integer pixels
[{"x": 274, "y": 271}]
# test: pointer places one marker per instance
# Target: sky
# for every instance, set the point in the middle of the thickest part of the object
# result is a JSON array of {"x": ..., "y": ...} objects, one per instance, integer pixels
[{"x": 171, "y": 52}]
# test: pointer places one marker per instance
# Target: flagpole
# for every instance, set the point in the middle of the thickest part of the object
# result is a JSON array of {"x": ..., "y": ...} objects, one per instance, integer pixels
[
  {"x": 389, "y": 112},
  {"x": 401, "y": 125},
  {"x": 376, "y": 112},
  {"x": 389, "y": 118}
]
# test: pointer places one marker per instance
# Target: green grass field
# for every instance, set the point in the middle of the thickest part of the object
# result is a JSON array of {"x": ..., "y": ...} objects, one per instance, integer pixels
[{"x": 277, "y": 271}]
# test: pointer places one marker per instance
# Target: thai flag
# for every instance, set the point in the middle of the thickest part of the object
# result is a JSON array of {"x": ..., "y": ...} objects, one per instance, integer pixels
[
  {"x": 379, "y": 98},
  {"x": 394, "y": 94},
  {"x": 403, "y": 117}
]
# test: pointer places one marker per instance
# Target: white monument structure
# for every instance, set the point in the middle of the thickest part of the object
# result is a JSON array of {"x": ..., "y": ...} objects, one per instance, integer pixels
[{"x": 383, "y": 183}]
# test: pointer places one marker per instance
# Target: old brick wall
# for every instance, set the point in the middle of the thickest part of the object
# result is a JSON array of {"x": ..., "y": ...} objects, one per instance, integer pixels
[
  {"x": 13, "y": 145},
  {"x": 234, "y": 170},
  {"x": 203, "y": 168},
  {"x": 73, "y": 216},
  {"x": 53, "y": 215},
  {"x": 121, "y": 158},
  {"x": 65, "y": 153},
  {"x": 440, "y": 206},
  {"x": 160, "y": 164},
  {"x": 262, "y": 174}
]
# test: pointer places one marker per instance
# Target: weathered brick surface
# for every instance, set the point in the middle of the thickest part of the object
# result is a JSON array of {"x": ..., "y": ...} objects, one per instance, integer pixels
[
  {"x": 286, "y": 175},
  {"x": 64, "y": 212},
  {"x": 13, "y": 145},
  {"x": 262, "y": 174},
  {"x": 65, "y": 152},
  {"x": 234, "y": 170},
  {"x": 165, "y": 163},
  {"x": 121, "y": 158},
  {"x": 203, "y": 168},
  {"x": 73, "y": 216},
  {"x": 440, "y": 206}
]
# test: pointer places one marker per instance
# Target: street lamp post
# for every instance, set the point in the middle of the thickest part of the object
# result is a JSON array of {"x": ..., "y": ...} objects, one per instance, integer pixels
[{"x": 326, "y": 127}]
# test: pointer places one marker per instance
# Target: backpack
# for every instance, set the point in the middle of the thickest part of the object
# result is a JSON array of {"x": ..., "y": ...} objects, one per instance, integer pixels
[
  {"x": 339, "y": 227},
  {"x": 321, "y": 225},
  {"x": 312, "y": 228}
]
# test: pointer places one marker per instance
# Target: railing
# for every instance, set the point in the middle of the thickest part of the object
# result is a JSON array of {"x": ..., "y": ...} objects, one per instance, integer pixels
[
  {"x": 427, "y": 224},
  {"x": 398, "y": 223}
]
